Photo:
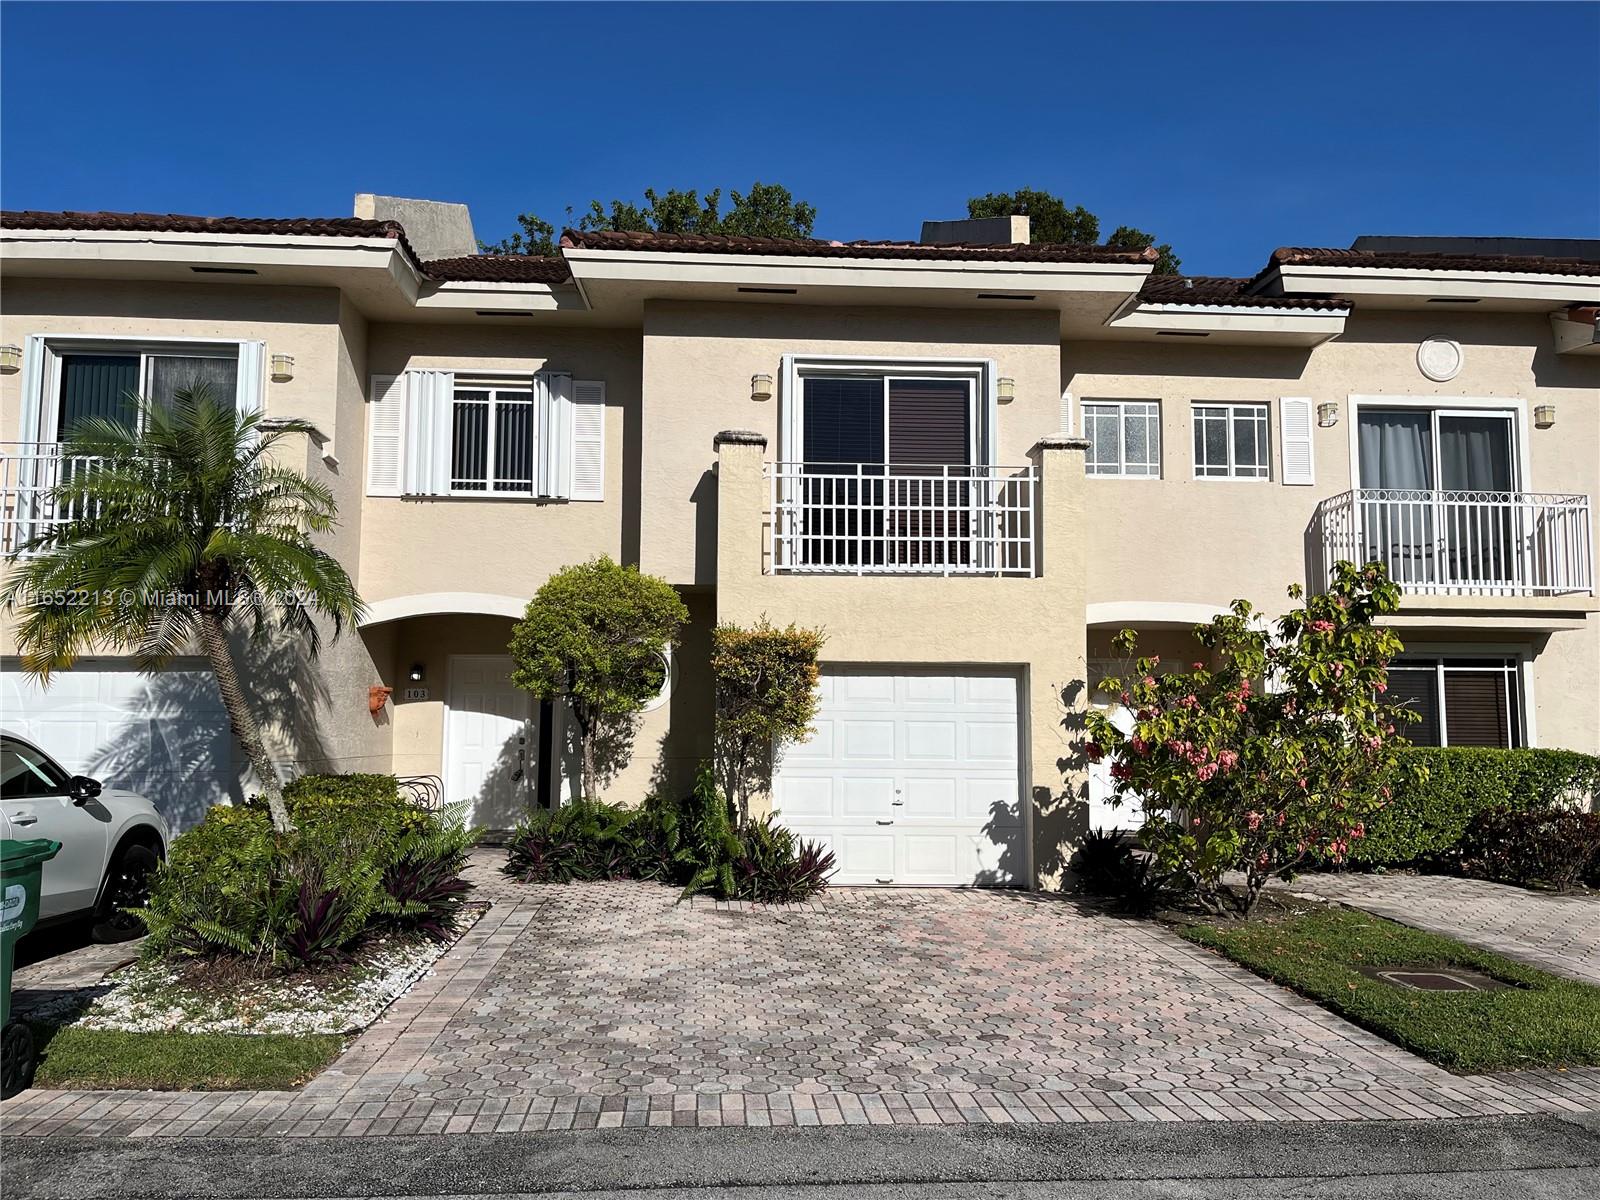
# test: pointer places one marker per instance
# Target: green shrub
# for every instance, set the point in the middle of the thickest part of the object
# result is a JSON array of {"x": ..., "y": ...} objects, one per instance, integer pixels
[
  {"x": 359, "y": 859},
  {"x": 1427, "y": 817},
  {"x": 1553, "y": 847},
  {"x": 690, "y": 843}
]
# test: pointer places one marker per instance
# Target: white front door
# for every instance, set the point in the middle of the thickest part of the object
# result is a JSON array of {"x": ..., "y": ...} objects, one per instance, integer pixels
[
  {"x": 911, "y": 777},
  {"x": 1127, "y": 816},
  {"x": 164, "y": 734},
  {"x": 490, "y": 751}
]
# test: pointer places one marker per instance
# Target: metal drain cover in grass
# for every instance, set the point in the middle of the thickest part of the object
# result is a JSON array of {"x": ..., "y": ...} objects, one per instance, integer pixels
[{"x": 1435, "y": 979}]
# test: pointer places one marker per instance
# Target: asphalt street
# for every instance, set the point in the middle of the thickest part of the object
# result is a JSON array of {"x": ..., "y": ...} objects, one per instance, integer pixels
[{"x": 1502, "y": 1157}]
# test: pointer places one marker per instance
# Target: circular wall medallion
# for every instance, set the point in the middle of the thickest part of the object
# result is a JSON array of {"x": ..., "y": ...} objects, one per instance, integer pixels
[{"x": 1439, "y": 358}]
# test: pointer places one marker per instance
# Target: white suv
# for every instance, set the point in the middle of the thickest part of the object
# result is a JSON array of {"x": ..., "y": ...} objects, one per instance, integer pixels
[{"x": 111, "y": 840}]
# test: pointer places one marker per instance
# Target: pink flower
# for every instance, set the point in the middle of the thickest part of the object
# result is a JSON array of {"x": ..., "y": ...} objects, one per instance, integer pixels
[
  {"x": 1149, "y": 681},
  {"x": 1321, "y": 626},
  {"x": 1093, "y": 751},
  {"x": 1380, "y": 687},
  {"x": 1252, "y": 820},
  {"x": 1190, "y": 701},
  {"x": 1301, "y": 780},
  {"x": 1205, "y": 771},
  {"x": 1262, "y": 862},
  {"x": 1140, "y": 746},
  {"x": 1196, "y": 822},
  {"x": 1125, "y": 698},
  {"x": 1121, "y": 771},
  {"x": 1177, "y": 747},
  {"x": 1228, "y": 759},
  {"x": 1359, "y": 830},
  {"x": 1199, "y": 666},
  {"x": 1156, "y": 659},
  {"x": 1281, "y": 818}
]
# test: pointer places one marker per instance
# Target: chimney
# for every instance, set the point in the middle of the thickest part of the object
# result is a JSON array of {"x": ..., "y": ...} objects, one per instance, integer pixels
[
  {"x": 435, "y": 228},
  {"x": 981, "y": 231}
]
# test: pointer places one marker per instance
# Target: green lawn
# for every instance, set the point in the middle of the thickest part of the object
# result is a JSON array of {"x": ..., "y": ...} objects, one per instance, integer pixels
[
  {"x": 1544, "y": 1021},
  {"x": 93, "y": 1058}
]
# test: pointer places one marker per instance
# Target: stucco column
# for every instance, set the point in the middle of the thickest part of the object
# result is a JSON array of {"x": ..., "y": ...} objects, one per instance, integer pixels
[
  {"x": 741, "y": 503},
  {"x": 1058, "y": 686}
]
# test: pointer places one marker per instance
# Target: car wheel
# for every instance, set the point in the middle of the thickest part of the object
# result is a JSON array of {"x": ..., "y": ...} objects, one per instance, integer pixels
[
  {"x": 16, "y": 1059},
  {"x": 127, "y": 886}
]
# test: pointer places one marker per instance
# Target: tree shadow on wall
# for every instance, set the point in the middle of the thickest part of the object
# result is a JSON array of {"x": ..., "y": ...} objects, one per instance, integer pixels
[
  {"x": 183, "y": 764},
  {"x": 1005, "y": 829},
  {"x": 1061, "y": 814}
]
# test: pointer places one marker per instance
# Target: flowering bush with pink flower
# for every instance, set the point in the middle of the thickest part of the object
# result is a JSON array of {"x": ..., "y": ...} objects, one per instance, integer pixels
[{"x": 1237, "y": 777}]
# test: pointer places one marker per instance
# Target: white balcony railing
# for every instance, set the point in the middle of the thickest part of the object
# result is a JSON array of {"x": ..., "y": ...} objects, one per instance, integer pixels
[
  {"x": 1461, "y": 543},
  {"x": 29, "y": 474},
  {"x": 872, "y": 519}
]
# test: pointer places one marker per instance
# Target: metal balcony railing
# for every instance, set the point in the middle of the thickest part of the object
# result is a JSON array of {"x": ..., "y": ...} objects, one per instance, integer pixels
[
  {"x": 1461, "y": 543},
  {"x": 877, "y": 519},
  {"x": 29, "y": 475}
]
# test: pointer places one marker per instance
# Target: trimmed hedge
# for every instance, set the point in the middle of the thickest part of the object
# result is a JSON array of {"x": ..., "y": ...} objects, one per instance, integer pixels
[{"x": 1429, "y": 818}]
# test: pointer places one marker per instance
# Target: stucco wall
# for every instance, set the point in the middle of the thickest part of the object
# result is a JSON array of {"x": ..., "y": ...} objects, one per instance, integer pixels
[
  {"x": 504, "y": 547},
  {"x": 698, "y": 361}
]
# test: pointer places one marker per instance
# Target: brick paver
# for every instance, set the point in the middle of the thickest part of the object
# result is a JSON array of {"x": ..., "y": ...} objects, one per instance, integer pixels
[
  {"x": 1560, "y": 934},
  {"x": 608, "y": 1004}
]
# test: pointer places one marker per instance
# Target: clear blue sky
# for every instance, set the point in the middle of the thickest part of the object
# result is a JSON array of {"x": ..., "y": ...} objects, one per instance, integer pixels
[{"x": 1225, "y": 129}]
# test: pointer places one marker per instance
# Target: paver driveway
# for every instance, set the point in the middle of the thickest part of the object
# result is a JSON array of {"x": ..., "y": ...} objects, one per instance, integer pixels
[
  {"x": 1555, "y": 933},
  {"x": 608, "y": 1004}
]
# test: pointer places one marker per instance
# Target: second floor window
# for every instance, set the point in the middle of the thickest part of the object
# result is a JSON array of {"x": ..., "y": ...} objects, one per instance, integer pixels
[
  {"x": 106, "y": 385},
  {"x": 1124, "y": 437},
  {"x": 494, "y": 434},
  {"x": 1231, "y": 441}
]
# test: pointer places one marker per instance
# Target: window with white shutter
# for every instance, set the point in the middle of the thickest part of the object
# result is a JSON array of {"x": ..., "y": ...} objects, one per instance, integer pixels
[
  {"x": 588, "y": 440},
  {"x": 1295, "y": 428},
  {"x": 386, "y": 425}
]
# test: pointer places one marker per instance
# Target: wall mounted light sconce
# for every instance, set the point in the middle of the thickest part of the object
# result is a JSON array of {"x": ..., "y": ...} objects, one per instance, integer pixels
[
  {"x": 1328, "y": 414},
  {"x": 760, "y": 388},
  {"x": 282, "y": 368},
  {"x": 1544, "y": 416},
  {"x": 10, "y": 358},
  {"x": 1005, "y": 389},
  {"x": 416, "y": 674}
]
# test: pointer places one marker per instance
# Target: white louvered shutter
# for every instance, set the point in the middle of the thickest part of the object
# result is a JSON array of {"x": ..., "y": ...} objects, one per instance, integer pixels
[
  {"x": 429, "y": 396},
  {"x": 553, "y": 394},
  {"x": 386, "y": 434},
  {"x": 588, "y": 440},
  {"x": 1295, "y": 424}
]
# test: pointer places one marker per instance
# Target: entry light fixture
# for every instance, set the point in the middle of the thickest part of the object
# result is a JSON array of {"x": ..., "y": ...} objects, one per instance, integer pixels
[
  {"x": 10, "y": 358},
  {"x": 1544, "y": 416},
  {"x": 416, "y": 674},
  {"x": 1005, "y": 389},
  {"x": 761, "y": 387},
  {"x": 1328, "y": 414},
  {"x": 282, "y": 368}
]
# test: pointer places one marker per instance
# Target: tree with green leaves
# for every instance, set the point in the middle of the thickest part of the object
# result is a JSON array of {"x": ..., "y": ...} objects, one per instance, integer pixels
[
  {"x": 766, "y": 210},
  {"x": 594, "y": 637},
  {"x": 766, "y": 686},
  {"x": 1276, "y": 754},
  {"x": 1051, "y": 221},
  {"x": 180, "y": 529}
]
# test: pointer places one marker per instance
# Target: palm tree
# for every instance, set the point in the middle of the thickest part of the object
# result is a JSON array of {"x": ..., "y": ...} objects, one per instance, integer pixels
[{"x": 170, "y": 533}]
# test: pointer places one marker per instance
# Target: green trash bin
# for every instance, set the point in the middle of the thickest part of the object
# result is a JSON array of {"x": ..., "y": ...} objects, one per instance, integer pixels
[{"x": 21, "y": 864}]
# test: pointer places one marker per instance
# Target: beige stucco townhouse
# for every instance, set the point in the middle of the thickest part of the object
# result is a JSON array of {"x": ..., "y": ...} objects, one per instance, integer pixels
[{"x": 970, "y": 462}]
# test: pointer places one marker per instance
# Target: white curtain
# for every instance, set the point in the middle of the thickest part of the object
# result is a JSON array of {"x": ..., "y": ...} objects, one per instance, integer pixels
[{"x": 1396, "y": 454}]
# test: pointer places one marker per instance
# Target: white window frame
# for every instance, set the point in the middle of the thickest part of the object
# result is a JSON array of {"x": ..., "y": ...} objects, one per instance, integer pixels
[
  {"x": 493, "y": 389},
  {"x": 1122, "y": 406},
  {"x": 1446, "y": 406},
  {"x": 1260, "y": 411},
  {"x": 57, "y": 346},
  {"x": 1520, "y": 658}
]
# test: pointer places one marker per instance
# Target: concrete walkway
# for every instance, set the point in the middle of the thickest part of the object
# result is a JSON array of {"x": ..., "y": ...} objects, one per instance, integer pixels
[
  {"x": 1559, "y": 934},
  {"x": 608, "y": 1004}
]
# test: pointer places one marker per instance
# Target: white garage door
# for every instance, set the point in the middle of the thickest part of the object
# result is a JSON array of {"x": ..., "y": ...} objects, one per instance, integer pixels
[
  {"x": 911, "y": 777},
  {"x": 165, "y": 736}
]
